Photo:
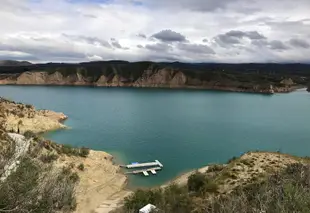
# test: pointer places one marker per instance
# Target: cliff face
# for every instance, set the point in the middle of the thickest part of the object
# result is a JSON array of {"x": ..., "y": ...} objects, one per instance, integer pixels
[
  {"x": 20, "y": 118},
  {"x": 148, "y": 74}
]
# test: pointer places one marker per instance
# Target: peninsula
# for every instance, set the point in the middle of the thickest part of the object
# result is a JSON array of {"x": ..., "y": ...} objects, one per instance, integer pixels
[{"x": 258, "y": 78}]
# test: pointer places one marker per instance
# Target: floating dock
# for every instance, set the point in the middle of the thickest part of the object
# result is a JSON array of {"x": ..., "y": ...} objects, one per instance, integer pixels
[
  {"x": 145, "y": 171},
  {"x": 141, "y": 165}
]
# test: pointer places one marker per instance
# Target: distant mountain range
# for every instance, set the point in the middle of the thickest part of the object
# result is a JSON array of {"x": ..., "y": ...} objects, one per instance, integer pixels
[
  {"x": 251, "y": 77},
  {"x": 14, "y": 63}
]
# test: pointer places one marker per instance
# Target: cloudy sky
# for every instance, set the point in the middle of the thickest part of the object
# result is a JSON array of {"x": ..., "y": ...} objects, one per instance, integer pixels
[{"x": 231, "y": 31}]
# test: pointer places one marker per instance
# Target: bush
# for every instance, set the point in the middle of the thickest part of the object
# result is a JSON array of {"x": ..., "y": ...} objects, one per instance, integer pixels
[
  {"x": 29, "y": 134},
  {"x": 232, "y": 159},
  {"x": 48, "y": 158},
  {"x": 81, "y": 167},
  {"x": 84, "y": 152},
  {"x": 74, "y": 177},
  {"x": 196, "y": 182},
  {"x": 69, "y": 150},
  {"x": 215, "y": 168},
  {"x": 247, "y": 162},
  {"x": 211, "y": 187}
]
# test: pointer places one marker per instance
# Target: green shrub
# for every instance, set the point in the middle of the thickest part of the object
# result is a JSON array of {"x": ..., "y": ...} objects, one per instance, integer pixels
[
  {"x": 232, "y": 159},
  {"x": 48, "y": 158},
  {"x": 247, "y": 162},
  {"x": 36, "y": 189},
  {"x": 211, "y": 187},
  {"x": 215, "y": 168},
  {"x": 196, "y": 182},
  {"x": 69, "y": 150},
  {"x": 29, "y": 134},
  {"x": 84, "y": 152},
  {"x": 81, "y": 167},
  {"x": 74, "y": 177}
]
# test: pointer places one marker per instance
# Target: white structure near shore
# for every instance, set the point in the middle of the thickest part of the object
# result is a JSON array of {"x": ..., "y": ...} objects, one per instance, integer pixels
[{"x": 147, "y": 209}]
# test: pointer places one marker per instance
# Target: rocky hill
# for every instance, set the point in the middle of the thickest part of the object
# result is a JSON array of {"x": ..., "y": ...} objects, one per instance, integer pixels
[
  {"x": 14, "y": 63},
  {"x": 261, "y": 78},
  {"x": 19, "y": 118}
]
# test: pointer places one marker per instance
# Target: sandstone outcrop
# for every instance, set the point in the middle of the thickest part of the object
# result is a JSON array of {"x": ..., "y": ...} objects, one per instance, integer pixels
[{"x": 19, "y": 118}]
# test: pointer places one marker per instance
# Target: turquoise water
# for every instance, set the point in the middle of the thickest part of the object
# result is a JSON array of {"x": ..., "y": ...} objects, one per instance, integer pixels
[{"x": 184, "y": 129}]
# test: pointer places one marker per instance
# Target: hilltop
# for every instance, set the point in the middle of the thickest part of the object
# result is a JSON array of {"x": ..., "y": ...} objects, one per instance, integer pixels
[
  {"x": 14, "y": 63},
  {"x": 260, "y": 78}
]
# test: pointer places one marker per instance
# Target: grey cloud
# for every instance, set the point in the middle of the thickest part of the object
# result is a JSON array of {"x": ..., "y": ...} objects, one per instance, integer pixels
[
  {"x": 260, "y": 42},
  {"x": 42, "y": 53},
  {"x": 89, "y": 16},
  {"x": 297, "y": 27},
  {"x": 158, "y": 47},
  {"x": 141, "y": 35},
  {"x": 224, "y": 40},
  {"x": 274, "y": 44},
  {"x": 196, "y": 5},
  {"x": 117, "y": 45},
  {"x": 234, "y": 37},
  {"x": 196, "y": 48},
  {"x": 88, "y": 39},
  {"x": 14, "y": 6},
  {"x": 277, "y": 45},
  {"x": 139, "y": 46},
  {"x": 254, "y": 35},
  {"x": 169, "y": 36},
  {"x": 205, "y": 40},
  {"x": 299, "y": 43}
]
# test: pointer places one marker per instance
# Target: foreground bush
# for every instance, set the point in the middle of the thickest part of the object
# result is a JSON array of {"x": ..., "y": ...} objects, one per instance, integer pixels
[{"x": 35, "y": 189}]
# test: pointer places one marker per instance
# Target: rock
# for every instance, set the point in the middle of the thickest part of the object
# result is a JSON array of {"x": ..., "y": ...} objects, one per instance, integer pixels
[
  {"x": 20, "y": 118},
  {"x": 287, "y": 82}
]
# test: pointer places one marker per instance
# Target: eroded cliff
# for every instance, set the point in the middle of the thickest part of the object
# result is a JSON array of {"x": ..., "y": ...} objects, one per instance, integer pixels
[{"x": 245, "y": 78}]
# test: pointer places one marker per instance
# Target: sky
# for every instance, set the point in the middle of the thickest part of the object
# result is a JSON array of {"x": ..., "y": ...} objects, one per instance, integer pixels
[{"x": 223, "y": 31}]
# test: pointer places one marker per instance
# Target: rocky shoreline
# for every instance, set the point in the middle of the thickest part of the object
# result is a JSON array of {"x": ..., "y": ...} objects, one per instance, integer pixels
[{"x": 20, "y": 118}]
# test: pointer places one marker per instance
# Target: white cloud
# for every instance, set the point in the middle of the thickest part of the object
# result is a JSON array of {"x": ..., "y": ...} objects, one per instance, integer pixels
[{"x": 60, "y": 30}]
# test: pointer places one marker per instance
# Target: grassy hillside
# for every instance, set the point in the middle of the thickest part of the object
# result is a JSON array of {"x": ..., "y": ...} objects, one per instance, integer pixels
[{"x": 255, "y": 182}]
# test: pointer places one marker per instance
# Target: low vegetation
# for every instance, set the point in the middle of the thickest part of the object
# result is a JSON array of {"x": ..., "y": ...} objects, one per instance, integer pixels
[
  {"x": 37, "y": 188},
  {"x": 227, "y": 189},
  {"x": 37, "y": 185}
]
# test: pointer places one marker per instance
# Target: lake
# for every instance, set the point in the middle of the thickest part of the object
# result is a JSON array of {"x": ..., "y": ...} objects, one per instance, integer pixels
[{"x": 184, "y": 129}]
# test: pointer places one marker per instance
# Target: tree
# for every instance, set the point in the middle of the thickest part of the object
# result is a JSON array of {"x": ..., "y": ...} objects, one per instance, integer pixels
[
  {"x": 196, "y": 182},
  {"x": 20, "y": 122}
]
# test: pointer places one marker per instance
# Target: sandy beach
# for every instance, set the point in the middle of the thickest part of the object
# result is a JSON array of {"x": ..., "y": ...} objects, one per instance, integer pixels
[{"x": 101, "y": 186}]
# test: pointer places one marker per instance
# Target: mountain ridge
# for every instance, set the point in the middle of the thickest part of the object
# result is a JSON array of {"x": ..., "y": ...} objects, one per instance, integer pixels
[{"x": 252, "y": 77}]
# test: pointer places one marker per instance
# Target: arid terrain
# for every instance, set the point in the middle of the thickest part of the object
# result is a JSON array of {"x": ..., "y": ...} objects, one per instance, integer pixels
[{"x": 100, "y": 186}]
